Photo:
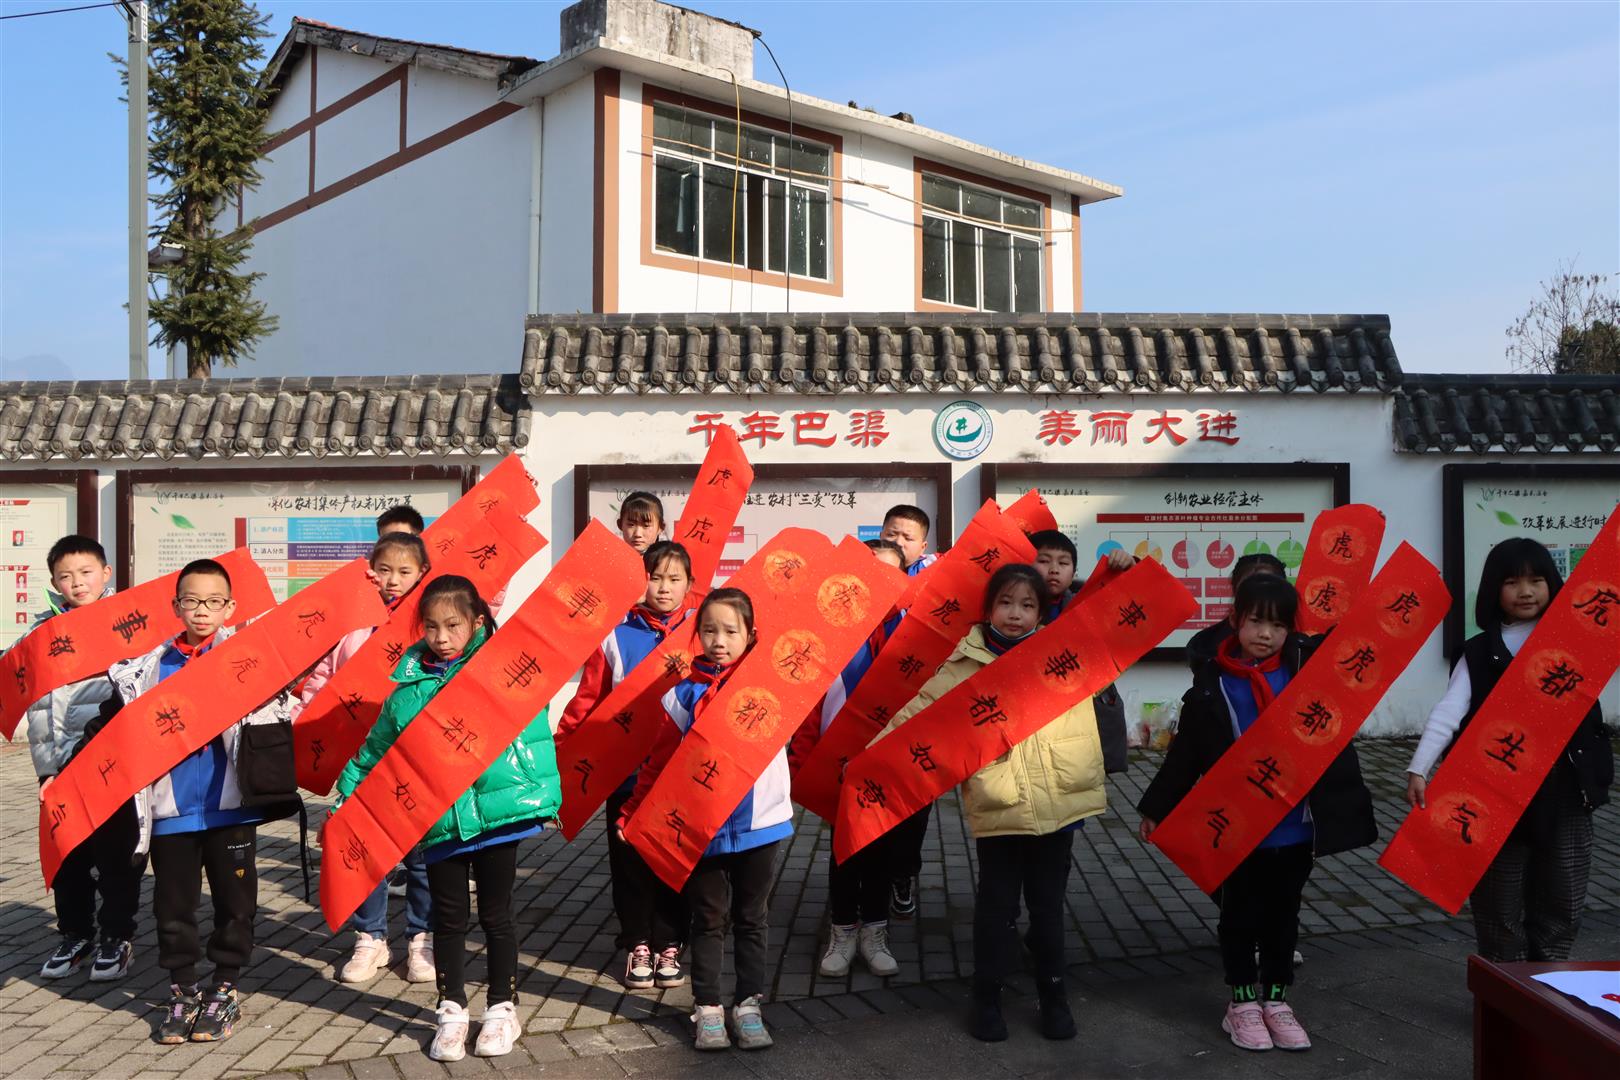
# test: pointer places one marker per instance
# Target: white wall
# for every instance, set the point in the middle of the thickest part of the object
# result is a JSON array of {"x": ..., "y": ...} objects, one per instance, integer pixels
[{"x": 568, "y": 186}]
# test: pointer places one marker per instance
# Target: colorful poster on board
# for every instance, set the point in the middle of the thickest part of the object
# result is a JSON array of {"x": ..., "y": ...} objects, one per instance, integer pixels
[
  {"x": 32, "y": 518},
  {"x": 836, "y": 506},
  {"x": 298, "y": 531},
  {"x": 1196, "y": 527}
]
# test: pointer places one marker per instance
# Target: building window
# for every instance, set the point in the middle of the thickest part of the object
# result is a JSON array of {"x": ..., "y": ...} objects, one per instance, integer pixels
[
  {"x": 772, "y": 213},
  {"x": 981, "y": 249}
]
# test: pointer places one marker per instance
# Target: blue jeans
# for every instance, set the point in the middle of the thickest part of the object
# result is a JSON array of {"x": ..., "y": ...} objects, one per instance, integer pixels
[{"x": 371, "y": 917}]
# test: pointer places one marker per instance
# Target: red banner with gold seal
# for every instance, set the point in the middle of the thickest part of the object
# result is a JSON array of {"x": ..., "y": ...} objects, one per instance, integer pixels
[
  {"x": 817, "y": 604},
  {"x": 1006, "y": 702},
  {"x": 1031, "y": 513},
  {"x": 332, "y": 726},
  {"x": 508, "y": 484},
  {"x": 475, "y": 717},
  {"x": 1500, "y": 760},
  {"x": 184, "y": 712},
  {"x": 942, "y": 612},
  {"x": 711, "y": 510},
  {"x": 1276, "y": 762},
  {"x": 86, "y": 641},
  {"x": 1340, "y": 557}
]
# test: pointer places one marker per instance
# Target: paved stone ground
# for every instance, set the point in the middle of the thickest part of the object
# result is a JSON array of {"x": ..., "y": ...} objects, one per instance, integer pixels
[{"x": 1382, "y": 987}]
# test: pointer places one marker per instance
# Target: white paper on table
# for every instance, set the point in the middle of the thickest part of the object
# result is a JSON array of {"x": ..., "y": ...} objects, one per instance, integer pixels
[{"x": 1599, "y": 989}]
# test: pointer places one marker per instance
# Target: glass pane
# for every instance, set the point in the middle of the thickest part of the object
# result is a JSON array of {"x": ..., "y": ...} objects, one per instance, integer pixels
[
  {"x": 807, "y": 225},
  {"x": 1021, "y": 213},
  {"x": 1026, "y": 275},
  {"x": 725, "y": 138},
  {"x": 964, "y": 265},
  {"x": 981, "y": 204},
  {"x": 717, "y": 215},
  {"x": 757, "y": 146},
  {"x": 680, "y": 130},
  {"x": 798, "y": 229},
  {"x": 753, "y": 199},
  {"x": 997, "y": 270},
  {"x": 776, "y": 216},
  {"x": 936, "y": 258},
  {"x": 675, "y": 187},
  {"x": 944, "y": 194},
  {"x": 809, "y": 158},
  {"x": 820, "y": 234}
]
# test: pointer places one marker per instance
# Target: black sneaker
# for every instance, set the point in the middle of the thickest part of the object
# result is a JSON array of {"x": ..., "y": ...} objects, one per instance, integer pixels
[
  {"x": 396, "y": 881},
  {"x": 902, "y": 898},
  {"x": 179, "y": 1015},
  {"x": 112, "y": 961},
  {"x": 219, "y": 1015},
  {"x": 69, "y": 957}
]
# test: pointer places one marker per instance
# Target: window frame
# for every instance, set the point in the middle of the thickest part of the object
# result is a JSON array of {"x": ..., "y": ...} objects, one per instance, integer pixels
[
  {"x": 1041, "y": 235},
  {"x": 653, "y": 256}
]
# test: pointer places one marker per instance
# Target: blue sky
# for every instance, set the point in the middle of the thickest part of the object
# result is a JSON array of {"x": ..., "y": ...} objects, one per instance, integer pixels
[{"x": 1431, "y": 161}]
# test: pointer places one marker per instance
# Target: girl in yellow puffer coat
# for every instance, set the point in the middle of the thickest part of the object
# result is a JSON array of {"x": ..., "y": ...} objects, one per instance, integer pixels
[{"x": 1024, "y": 809}]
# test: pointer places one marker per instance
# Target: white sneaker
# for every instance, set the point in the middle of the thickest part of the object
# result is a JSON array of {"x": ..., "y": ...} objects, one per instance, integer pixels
[
  {"x": 498, "y": 1032},
  {"x": 450, "y": 1037},
  {"x": 419, "y": 959},
  {"x": 840, "y": 951},
  {"x": 874, "y": 948},
  {"x": 370, "y": 956}
]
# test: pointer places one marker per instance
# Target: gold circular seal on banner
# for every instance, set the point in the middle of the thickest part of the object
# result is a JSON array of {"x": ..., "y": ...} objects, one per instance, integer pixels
[
  {"x": 1463, "y": 818},
  {"x": 843, "y": 599},
  {"x": 755, "y": 714},
  {"x": 1556, "y": 673},
  {"x": 584, "y": 603},
  {"x": 1357, "y": 661},
  {"x": 1598, "y": 605},
  {"x": 1344, "y": 544},
  {"x": 783, "y": 569},
  {"x": 1326, "y": 595},
  {"x": 1317, "y": 719},
  {"x": 799, "y": 655},
  {"x": 1400, "y": 611}
]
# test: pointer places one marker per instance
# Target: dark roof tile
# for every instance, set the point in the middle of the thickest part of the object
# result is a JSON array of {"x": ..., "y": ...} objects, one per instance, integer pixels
[{"x": 1508, "y": 412}]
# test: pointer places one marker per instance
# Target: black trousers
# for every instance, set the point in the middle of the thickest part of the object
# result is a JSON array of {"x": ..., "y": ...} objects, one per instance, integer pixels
[
  {"x": 105, "y": 864},
  {"x": 735, "y": 887},
  {"x": 648, "y": 910},
  {"x": 1260, "y": 910},
  {"x": 1037, "y": 867},
  {"x": 495, "y": 871},
  {"x": 858, "y": 887},
  {"x": 228, "y": 856},
  {"x": 905, "y": 843}
]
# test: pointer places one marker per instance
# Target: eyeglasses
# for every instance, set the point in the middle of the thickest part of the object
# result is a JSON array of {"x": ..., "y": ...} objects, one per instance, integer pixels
[{"x": 212, "y": 603}]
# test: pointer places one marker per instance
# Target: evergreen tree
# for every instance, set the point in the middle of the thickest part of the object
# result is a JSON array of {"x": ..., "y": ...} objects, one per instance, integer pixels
[{"x": 208, "y": 122}]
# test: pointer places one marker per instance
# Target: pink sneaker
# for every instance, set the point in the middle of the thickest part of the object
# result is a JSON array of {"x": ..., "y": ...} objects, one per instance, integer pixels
[
  {"x": 1246, "y": 1026},
  {"x": 1283, "y": 1026}
]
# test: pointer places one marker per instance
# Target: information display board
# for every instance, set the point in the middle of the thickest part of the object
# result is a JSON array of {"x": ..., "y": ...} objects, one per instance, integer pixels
[
  {"x": 1196, "y": 520},
  {"x": 299, "y": 524},
  {"x": 835, "y": 501},
  {"x": 34, "y": 513}
]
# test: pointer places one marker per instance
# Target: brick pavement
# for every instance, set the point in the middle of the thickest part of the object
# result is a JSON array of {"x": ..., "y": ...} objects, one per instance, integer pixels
[{"x": 1142, "y": 935}]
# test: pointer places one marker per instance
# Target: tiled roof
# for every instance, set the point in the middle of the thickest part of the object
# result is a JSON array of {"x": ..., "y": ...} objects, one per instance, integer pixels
[
  {"x": 821, "y": 353},
  {"x": 1508, "y": 412},
  {"x": 261, "y": 417}
]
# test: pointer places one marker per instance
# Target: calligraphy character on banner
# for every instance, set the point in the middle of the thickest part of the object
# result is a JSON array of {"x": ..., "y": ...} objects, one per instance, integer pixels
[
  {"x": 731, "y": 883},
  {"x": 477, "y": 838},
  {"x": 652, "y": 916},
  {"x": 199, "y": 820},
  {"x": 398, "y": 562},
  {"x": 58, "y": 724},
  {"x": 1260, "y": 899},
  {"x": 1528, "y": 904},
  {"x": 880, "y": 878},
  {"x": 1023, "y": 808}
]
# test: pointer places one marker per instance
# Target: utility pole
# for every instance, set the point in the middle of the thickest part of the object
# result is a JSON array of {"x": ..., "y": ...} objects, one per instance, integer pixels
[{"x": 135, "y": 11}]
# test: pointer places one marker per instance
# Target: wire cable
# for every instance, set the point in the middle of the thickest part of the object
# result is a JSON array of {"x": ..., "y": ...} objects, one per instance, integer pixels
[
  {"x": 59, "y": 11},
  {"x": 787, "y": 261}
]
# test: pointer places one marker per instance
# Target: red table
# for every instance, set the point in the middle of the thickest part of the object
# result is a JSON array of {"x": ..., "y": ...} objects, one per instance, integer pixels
[{"x": 1525, "y": 1029}]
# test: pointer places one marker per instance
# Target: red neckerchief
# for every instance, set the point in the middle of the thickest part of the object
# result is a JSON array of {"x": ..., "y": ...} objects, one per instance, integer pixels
[
  {"x": 660, "y": 624},
  {"x": 714, "y": 676},
  {"x": 188, "y": 651},
  {"x": 1231, "y": 663}
]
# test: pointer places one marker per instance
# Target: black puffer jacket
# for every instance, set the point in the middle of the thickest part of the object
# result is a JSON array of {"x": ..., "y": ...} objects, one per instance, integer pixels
[{"x": 1341, "y": 807}]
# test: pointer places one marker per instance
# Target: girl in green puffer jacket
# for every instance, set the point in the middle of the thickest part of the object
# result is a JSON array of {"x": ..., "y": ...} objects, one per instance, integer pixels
[{"x": 479, "y": 834}]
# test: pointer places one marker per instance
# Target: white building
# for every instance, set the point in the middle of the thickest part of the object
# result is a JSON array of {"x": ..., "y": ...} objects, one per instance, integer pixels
[{"x": 419, "y": 200}]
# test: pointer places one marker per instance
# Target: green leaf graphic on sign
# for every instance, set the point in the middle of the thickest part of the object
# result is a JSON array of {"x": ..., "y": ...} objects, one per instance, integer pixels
[
  {"x": 1502, "y": 516},
  {"x": 181, "y": 522}
]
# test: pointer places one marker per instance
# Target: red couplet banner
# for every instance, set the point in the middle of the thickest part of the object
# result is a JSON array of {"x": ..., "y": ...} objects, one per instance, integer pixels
[
  {"x": 717, "y": 498},
  {"x": 1339, "y": 560},
  {"x": 1031, "y": 513},
  {"x": 1488, "y": 779},
  {"x": 476, "y": 716},
  {"x": 1006, "y": 702},
  {"x": 1275, "y": 763},
  {"x": 816, "y": 606},
  {"x": 943, "y": 610},
  {"x": 88, "y": 640},
  {"x": 334, "y": 724},
  {"x": 507, "y": 484},
  {"x": 180, "y": 715}
]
